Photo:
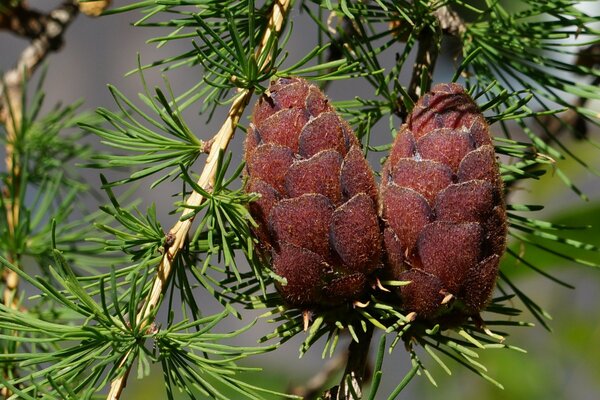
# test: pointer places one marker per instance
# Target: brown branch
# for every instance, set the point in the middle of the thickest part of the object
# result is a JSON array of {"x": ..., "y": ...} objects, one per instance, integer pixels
[
  {"x": 315, "y": 385},
  {"x": 449, "y": 23},
  {"x": 424, "y": 66},
  {"x": 180, "y": 231},
  {"x": 356, "y": 372},
  {"x": 23, "y": 21},
  {"x": 48, "y": 39},
  {"x": 344, "y": 30}
]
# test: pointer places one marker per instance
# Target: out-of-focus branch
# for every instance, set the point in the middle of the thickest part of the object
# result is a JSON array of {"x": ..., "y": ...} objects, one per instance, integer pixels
[
  {"x": 46, "y": 32},
  {"x": 450, "y": 22},
  {"x": 315, "y": 385},
  {"x": 23, "y": 21},
  {"x": 570, "y": 119},
  {"x": 47, "y": 36},
  {"x": 180, "y": 231},
  {"x": 588, "y": 57}
]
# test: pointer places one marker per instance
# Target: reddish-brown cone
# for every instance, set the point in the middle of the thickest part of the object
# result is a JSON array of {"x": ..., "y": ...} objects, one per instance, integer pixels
[
  {"x": 443, "y": 206},
  {"x": 317, "y": 214}
]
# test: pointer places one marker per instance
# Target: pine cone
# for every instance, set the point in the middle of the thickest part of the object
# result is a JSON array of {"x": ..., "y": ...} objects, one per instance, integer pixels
[
  {"x": 443, "y": 206},
  {"x": 317, "y": 214}
]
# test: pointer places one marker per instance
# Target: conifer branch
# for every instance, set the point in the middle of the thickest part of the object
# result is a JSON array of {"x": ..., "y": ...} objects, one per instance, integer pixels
[
  {"x": 429, "y": 38},
  {"x": 588, "y": 57},
  {"x": 46, "y": 34},
  {"x": 180, "y": 230},
  {"x": 85, "y": 327}
]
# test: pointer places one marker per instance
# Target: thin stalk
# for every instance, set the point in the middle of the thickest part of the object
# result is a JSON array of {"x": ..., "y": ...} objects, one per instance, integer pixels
[
  {"x": 351, "y": 384},
  {"x": 12, "y": 190},
  {"x": 315, "y": 385},
  {"x": 180, "y": 230},
  {"x": 449, "y": 23},
  {"x": 427, "y": 53}
]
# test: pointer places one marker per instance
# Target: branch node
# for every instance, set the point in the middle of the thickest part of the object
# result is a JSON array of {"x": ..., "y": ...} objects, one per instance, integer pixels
[{"x": 207, "y": 145}]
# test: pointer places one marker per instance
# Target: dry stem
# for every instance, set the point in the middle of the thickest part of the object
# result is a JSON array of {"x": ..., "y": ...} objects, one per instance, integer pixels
[
  {"x": 450, "y": 22},
  {"x": 179, "y": 232},
  {"x": 356, "y": 372},
  {"x": 314, "y": 387}
]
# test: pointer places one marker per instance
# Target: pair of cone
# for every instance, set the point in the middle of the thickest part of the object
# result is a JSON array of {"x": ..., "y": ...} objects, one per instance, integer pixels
[{"x": 438, "y": 219}]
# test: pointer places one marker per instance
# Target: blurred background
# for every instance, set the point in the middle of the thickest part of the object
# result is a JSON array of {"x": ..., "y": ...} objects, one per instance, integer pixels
[{"x": 563, "y": 364}]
